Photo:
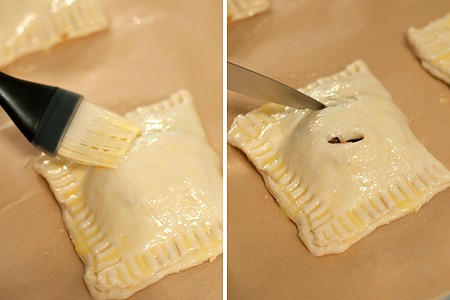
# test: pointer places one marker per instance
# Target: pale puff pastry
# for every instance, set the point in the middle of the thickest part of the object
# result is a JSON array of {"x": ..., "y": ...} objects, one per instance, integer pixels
[
  {"x": 158, "y": 213},
  {"x": 30, "y": 26},
  {"x": 341, "y": 172},
  {"x": 243, "y": 9},
  {"x": 431, "y": 44}
]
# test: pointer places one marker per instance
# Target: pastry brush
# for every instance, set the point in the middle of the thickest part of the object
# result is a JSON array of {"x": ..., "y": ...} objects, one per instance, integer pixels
[{"x": 62, "y": 123}]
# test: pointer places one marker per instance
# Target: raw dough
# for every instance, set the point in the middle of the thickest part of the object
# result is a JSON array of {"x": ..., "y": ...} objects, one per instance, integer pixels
[
  {"x": 158, "y": 213},
  {"x": 340, "y": 172},
  {"x": 30, "y": 26},
  {"x": 242, "y": 9},
  {"x": 431, "y": 44}
]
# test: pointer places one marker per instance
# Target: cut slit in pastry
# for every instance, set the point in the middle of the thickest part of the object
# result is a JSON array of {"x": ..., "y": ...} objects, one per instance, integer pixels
[
  {"x": 243, "y": 9},
  {"x": 340, "y": 172},
  {"x": 31, "y": 26},
  {"x": 158, "y": 213},
  {"x": 431, "y": 44}
]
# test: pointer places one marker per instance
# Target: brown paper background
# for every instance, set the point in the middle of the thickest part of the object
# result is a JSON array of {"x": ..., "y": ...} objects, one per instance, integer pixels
[
  {"x": 152, "y": 49},
  {"x": 296, "y": 42}
]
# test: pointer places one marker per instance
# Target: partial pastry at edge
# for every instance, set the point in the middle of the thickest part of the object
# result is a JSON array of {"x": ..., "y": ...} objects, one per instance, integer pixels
[
  {"x": 32, "y": 26},
  {"x": 243, "y": 9},
  {"x": 431, "y": 44}
]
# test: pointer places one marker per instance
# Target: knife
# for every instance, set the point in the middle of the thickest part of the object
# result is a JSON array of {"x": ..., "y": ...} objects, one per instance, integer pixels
[{"x": 250, "y": 83}]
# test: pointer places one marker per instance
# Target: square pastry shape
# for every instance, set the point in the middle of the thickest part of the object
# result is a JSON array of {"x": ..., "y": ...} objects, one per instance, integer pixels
[
  {"x": 340, "y": 172},
  {"x": 158, "y": 213},
  {"x": 30, "y": 26},
  {"x": 431, "y": 44}
]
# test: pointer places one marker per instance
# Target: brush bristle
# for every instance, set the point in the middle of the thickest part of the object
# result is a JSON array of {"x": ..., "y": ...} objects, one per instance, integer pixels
[{"x": 97, "y": 137}]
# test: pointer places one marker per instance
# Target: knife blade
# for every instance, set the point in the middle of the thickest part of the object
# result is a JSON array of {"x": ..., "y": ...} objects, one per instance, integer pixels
[{"x": 250, "y": 83}]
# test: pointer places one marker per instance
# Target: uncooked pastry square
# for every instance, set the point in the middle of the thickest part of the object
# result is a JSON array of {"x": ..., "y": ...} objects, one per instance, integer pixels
[
  {"x": 341, "y": 172},
  {"x": 30, "y": 26},
  {"x": 158, "y": 213},
  {"x": 431, "y": 44}
]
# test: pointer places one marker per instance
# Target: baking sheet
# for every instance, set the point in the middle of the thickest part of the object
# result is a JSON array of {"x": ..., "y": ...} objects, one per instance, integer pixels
[
  {"x": 152, "y": 49},
  {"x": 297, "y": 42}
]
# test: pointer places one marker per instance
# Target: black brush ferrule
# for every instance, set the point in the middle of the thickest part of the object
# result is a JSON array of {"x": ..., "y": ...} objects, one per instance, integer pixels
[{"x": 56, "y": 120}]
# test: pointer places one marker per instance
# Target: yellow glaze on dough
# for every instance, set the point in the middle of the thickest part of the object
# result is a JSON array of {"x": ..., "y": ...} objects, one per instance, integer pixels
[
  {"x": 30, "y": 26},
  {"x": 340, "y": 172},
  {"x": 158, "y": 213},
  {"x": 431, "y": 44},
  {"x": 242, "y": 9}
]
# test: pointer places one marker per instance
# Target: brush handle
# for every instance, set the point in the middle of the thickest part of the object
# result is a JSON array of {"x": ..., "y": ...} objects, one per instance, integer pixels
[
  {"x": 25, "y": 102},
  {"x": 41, "y": 112}
]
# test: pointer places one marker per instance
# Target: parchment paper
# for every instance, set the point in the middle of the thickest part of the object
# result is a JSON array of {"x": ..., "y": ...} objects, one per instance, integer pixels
[
  {"x": 297, "y": 42},
  {"x": 152, "y": 49}
]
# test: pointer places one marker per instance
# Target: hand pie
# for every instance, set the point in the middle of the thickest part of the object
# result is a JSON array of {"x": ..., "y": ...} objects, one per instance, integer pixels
[
  {"x": 158, "y": 213},
  {"x": 431, "y": 45},
  {"x": 242, "y": 9},
  {"x": 340, "y": 172},
  {"x": 30, "y": 26}
]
